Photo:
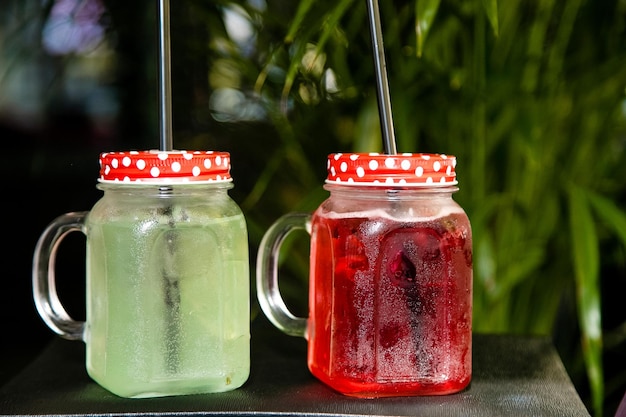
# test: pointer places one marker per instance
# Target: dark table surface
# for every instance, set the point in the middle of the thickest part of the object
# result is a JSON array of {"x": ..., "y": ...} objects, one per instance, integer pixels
[{"x": 512, "y": 376}]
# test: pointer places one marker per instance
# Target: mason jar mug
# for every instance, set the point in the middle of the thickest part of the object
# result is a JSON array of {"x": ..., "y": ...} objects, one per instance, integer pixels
[
  {"x": 390, "y": 280},
  {"x": 167, "y": 270}
]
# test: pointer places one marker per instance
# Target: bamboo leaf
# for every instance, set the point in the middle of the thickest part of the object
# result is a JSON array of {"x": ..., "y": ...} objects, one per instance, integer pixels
[
  {"x": 425, "y": 12},
  {"x": 290, "y": 77},
  {"x": 613, "y": 216},
  {"x": 485, "y": 265},
  {"x": 303, "y": 7},
  {"x": 491, "y": 9},
  {"x": 564, "y": 34},
  {"x": 586, "y": 254},
  {"x": 368, "y": 133},
  {"x": 331, "y": 21},
  {"x": 515, "y": 272}
]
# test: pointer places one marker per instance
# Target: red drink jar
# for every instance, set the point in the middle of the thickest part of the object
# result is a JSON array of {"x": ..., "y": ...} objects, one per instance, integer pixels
[{"x": 390, "y": 293}]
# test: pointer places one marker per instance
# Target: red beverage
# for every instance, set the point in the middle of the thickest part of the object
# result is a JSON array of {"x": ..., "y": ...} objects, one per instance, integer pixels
[
  {"x": 392, "y": 304},
  {"x": 390, "y": 293}
]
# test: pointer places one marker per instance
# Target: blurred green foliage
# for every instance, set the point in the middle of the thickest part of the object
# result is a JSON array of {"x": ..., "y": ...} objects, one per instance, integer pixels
[{"x": 529, "y": 95}]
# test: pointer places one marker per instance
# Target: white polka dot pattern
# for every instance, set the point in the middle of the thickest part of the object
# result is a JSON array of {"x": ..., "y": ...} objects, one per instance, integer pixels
[
  {"x": 406, "y": 169},
  {"x": 165, "y": 167}
]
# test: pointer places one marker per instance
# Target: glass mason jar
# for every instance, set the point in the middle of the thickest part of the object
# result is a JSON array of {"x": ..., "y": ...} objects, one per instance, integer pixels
[
  {"x": 167, "y": 276},
  {"x": 390, "y": 293}
]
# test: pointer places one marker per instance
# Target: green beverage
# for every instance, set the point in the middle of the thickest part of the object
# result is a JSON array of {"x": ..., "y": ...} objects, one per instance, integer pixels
[{"x": 169, "y": 306}]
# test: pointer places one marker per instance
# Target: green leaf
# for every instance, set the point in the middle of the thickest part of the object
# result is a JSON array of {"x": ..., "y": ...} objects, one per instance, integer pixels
[
  {"x": 294, "y": 66},
  {"x": 491, "y": 9},
  {"x": 303, "y": 8},
  {"x": 613, "y": 216},
  {"x": 514, "y": 273},
  {"x": 425, "y": 12},
  {"x": 586, "y": 260},
  {"x": 329, "y": 25},
  {"x": 485, "y": 265}
]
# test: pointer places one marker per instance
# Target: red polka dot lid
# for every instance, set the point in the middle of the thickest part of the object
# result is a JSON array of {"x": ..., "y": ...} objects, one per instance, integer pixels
[
  {"x": 406, "y": 169},
  {"x": 165, "y": 167}
]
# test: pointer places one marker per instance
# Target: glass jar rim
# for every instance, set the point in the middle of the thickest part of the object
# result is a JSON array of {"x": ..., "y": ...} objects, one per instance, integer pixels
[{"x": 389, "y": 190}]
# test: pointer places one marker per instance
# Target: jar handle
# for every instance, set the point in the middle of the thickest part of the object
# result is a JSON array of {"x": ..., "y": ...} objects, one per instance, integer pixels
[
  {"x": 45, "y": 294},
  {"x": 268, "y": 293}
]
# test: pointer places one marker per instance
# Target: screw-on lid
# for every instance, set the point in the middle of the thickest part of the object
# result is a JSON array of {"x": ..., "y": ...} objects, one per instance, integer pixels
[
  {"x": 406, "y": 169},
  {"x": 165, "y": 167}
]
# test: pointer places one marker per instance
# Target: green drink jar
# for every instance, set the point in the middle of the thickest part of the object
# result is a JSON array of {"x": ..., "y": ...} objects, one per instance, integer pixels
[{"x": 167, "y": 294}]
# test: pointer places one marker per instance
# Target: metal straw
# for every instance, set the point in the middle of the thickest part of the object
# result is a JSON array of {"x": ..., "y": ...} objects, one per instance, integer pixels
[
  {"x": 165, "y": 80},
  {"x": 384, "y": 100},
  {"x": 171, "y": 281}
]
